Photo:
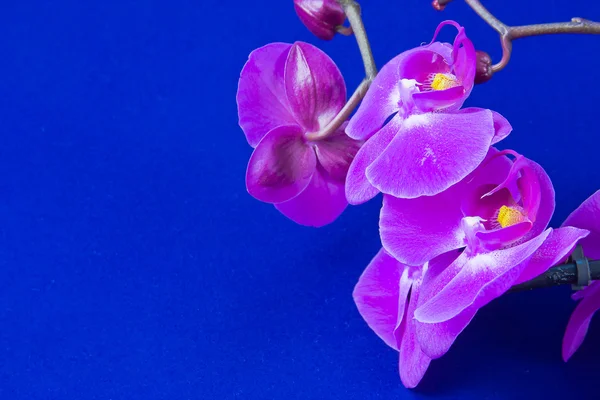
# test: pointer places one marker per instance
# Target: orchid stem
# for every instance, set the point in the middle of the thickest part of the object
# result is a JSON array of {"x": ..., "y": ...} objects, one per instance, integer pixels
[
  {"x": 510, "y": 33},
  {"x": 352, "y": 10},
  {"x": 344, "y": 113},
  {"x": 573, "y": 272}
]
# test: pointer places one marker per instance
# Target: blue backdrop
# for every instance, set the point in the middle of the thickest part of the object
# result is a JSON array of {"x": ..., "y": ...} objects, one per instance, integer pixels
[{"x": 134, "y": 265}]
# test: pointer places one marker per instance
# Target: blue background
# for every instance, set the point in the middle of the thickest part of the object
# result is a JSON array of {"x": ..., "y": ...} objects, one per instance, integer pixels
[{"x": 134, "y": 265}]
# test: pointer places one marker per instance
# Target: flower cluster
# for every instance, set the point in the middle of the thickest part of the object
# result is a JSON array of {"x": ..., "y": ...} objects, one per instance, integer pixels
[{"x": 461, "y": 221}]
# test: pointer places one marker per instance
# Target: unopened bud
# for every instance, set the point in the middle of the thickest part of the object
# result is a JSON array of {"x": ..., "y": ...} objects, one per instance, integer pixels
[
  {"x": 321, "y": 17},
  {"x": 436, "y": 4},
  {"x": 484, "y": 67}
]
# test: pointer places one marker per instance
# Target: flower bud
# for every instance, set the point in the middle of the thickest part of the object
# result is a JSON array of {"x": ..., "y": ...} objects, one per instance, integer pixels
[
  {"x": 321, "y": 17},
  {"x": 437, "y": 6},
  {"x": 484, "y": 67}
]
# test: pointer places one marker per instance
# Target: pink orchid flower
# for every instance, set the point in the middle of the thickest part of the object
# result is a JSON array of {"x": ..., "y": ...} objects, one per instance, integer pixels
[
  {"x": 586, "y": 216},
  {"x": 469, "y": 244},
  {"x": 285, "y": 92},
  {"x": 428, "y": 145},
  {"x": 386, "y": 295},
  {"x": 498, "y": 215}
]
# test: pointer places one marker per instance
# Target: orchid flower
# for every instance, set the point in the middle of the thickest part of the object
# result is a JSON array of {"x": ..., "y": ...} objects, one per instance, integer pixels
[
  {"x": 386, "y": 296},
  {"x": 586, "y": 216},
  {"x": 497, "y": 216},
  {"x": 428, "y": 145},
  {"x": 285, "y": 92}
]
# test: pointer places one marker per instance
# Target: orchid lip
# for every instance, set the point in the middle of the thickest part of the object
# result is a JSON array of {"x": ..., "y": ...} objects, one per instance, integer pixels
[{"x": 439, "y": 81}]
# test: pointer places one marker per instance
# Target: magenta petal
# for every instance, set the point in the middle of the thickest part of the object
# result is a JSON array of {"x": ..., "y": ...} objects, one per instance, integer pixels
[
  {"x": 580, "y": 320},
  {"x": 476, "y": 203},
  {"x": 431, "y": 153},
  {"x": 555, "y": 249},
  {"x": 358, "y": 187},
  {"x": 503, "y": 237},
  {"x": 261, "y": 100},
  {"x": 587, "y": 216},
  {"x": 412, "y": 361},
  {"x": 314, "y": 86},
  {"x": 440, "y": 26},
  {"x": 480, "y": 279},
  {"x": 491, "y": 171},
  {"x": 336, "y": 153},
  {"x": 281, "y": 166},
  {"x": 380, "y": 295},
  {"x": 436, "y": 339},
  {"x": 465, "y": 60},
  {"x": 415, "y": 231},
  {"x": 319, "y": 204},
  {"x": 438, "y": 100},
  {"x": 442, "y": 49},
  {"x": 420, "y": 63},
  {"x": 501, "y": 126},
  {"x": 538, "y": 196}
]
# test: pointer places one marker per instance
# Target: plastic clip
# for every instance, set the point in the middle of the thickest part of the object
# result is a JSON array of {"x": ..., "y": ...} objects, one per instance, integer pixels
[{"x": 583, "y": 269}]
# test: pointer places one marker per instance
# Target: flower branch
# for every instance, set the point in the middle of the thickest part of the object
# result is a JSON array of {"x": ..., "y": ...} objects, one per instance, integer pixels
[
  {"x": 510, "y": 33},
  {"x": 344, "y": 113},
  {"x": 352, "y": 11},
  {"x": 461, "y": 223},
  {"x": 563, "y": 274}
]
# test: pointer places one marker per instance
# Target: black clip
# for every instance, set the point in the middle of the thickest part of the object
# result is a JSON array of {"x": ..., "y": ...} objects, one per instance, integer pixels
[{"x": 583, "y": 268}]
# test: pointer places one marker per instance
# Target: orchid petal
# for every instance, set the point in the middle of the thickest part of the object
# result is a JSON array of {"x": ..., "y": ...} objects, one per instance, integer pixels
[
  {"x": 281, "y": 166},
  {"x": 538, "y": 196},
  {"x": 555, "y": 249},
  {"x": 415, "y": 231},
  {"x": 412, "y": 361},
  {"x": 502, "y": 128},
  {"x": 579, "y": 322},
  {"x": 336, "y": 153},
  {"x": 448, "y": 99},
  {"x": 381, "y": 294},
  {"x": 314, "y": 86},
  {"x": 476, "y": 203},
  {"x": 436, "y": 339},
  {"x": 465, "y": 60},
  {"x": 440, "y": 26},
  {"x": 476, "y": 279},
  {"x": 262, "y": 105},
  {"x": 503, "y": 237},
  {"x": 358, "y": 187},
  {"x": 587, "y": 216},
  {"x": 491, "y": 171},
  {"x": 431, "y": 153},
  {"x": 319, "y": 204},
  {"x": 442, "y": 49}
]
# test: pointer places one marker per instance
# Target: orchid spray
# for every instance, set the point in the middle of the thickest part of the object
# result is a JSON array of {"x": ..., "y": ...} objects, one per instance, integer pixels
[{"x": 461, "y": 222}]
